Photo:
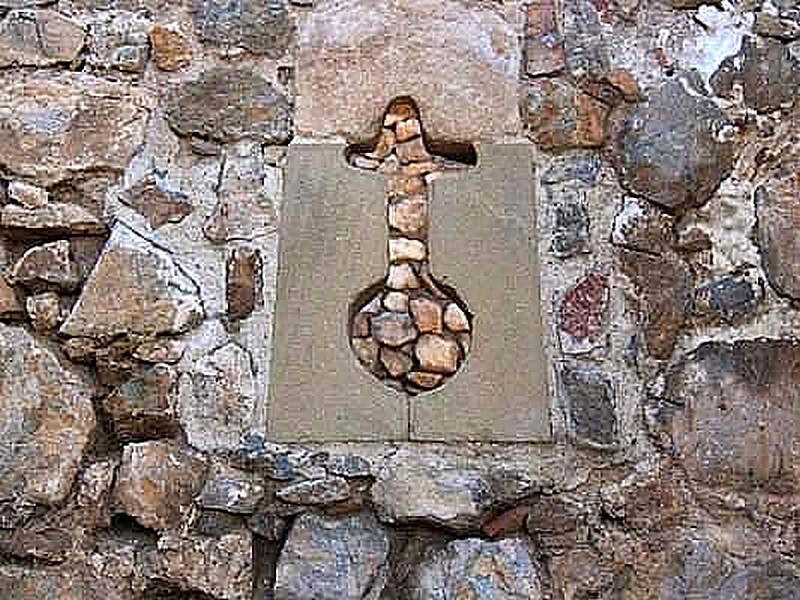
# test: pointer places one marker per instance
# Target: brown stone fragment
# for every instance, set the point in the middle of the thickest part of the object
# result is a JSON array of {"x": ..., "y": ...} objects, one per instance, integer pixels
[
  {"x": 361, "y": 324},
  {"x": 427, "y": 315},
  {"x": 397, "y": 363},
  {"x": 170, "y": 48},
  {"x": 48, "y": 266},
  {"x": 562, "y": 116},
  {"x": 160, "y": 205},
  {"x": 394, "y": 329},
  {"x": 157, "y": 482},
  {"x": 399, "y": 110},
  {"x": 437, "y": 354},
  {"x": 425, "y": 380},
  {"x": 664, "y": 287},
  {"x": 626, "y": 83},
  {"x": 403, "y": 184},
  {"x": 384, "y": 145},
  {"x": 455, "y": 319},
  {"x": 507, "y": 522},
  {"x": 159, "y": 351},
  {"x": 52, "y": 218},
  {"x": 243, "y": 283},
  {"x": 409, "y": 215}
]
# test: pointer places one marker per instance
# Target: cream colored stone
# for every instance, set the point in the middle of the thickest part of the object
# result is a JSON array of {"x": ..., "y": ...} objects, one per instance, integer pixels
[
  {"x": 410, "y": 128},
  {"x": 377, "y": 51},
  {"x": 403, "y": 184},
  {"x": 455, "y": 319},
  {"x": 396, "y": 301},
  {"x": 437, "y": 354},
  {"x": 409, "y": 215},
  {"x": 402, "y": 277},
  {"x": 405, "y": 249},
  {"x": 427, "y": 315},
  {"x": 361, "y": 324},
  {"x": 26, "y": 194}
]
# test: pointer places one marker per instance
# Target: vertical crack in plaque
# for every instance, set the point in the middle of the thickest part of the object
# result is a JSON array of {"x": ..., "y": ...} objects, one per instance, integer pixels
[{"x": 408, "y": 329}]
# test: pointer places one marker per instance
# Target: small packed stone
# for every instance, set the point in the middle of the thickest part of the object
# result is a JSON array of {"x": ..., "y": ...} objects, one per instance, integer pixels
[{"x": 412, "y": 332}]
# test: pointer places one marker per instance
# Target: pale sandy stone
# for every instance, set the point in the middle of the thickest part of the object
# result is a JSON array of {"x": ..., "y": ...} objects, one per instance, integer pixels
[
  {"x": 455, "y": 319},
  {"x": 396, "y": 301},
  {"x": 409, "y": 215},
  {"x": 402, "y": 277},
  {"x": 10, "y": 306},
  {"x": 361, "y": 324},
  {"x": 406, "y": 249},
  {"x": 425, "y": 380},
  {"x": 355, "y": 46},
  {"x": 26, "y": 194},
  {"x": 427, "y": 315},
  {"x": 437, "y": 354},
  {"x": 394, "y": 329},
  {"x": 410, "y": 128},
  {"x": 396, "y": 362}
]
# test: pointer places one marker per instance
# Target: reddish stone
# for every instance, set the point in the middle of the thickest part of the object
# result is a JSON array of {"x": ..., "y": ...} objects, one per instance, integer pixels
[
  {"x": 510, "y": 521},
  {"x": 243, "y": 282},
  {"x": 582, "y": 313},
  {"x": 562, "y": 116}
]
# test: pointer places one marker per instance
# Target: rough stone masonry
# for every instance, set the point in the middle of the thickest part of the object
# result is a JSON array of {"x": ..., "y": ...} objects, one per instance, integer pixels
[{"x": 142, "y": 165}]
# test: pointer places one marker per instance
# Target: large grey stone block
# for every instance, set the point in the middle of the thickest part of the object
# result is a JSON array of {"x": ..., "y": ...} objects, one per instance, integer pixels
[{"x": 333, "y": 246}]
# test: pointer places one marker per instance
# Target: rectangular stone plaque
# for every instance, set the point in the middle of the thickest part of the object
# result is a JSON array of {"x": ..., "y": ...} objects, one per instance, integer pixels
[{"x": 333, "y": 245}]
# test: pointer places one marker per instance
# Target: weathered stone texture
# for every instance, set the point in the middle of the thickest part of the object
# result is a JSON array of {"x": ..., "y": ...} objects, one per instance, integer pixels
[
  {"x": 353, "y": 46},
  {"x": 57, "y": 126},
  {"x": 731, "y": 414},
  {"x": 672, "y": 149},
  {"x": 259, "y": 26},
  {"x": 332, "y": 558},
  {"x": 226, "y": 105},
  {"x": 157, "y": 482},
  {"x": 135, "y": 288},
  {"x": 777, "y": 209},
  {"x": 46, "y": 420},
  {"x": 473, "y": 568},
  {"x": 218, "y": 399},
  {"x": 39, "y": 38}
]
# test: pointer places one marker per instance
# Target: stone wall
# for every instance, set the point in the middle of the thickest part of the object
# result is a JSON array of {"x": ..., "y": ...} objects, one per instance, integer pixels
[{"x": 142, "y": 168}]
